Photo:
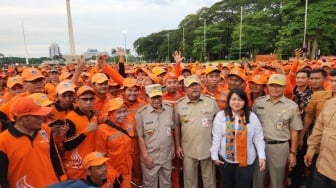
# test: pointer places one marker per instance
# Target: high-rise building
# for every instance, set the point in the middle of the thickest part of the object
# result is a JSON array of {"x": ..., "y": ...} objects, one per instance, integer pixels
[
  {"x": 90, "y": 53},
  {"x": 54, "y": 50}
]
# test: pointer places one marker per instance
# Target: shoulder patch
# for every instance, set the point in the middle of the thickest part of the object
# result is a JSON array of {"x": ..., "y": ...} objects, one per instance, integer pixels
[
  {"x": 261, "y": 97},
  {"x": 167, "y": 104},
  {"x": 142, "y": 108},
  {"x": 180, "y": 99},
  {"x": 209, "y": 96}
]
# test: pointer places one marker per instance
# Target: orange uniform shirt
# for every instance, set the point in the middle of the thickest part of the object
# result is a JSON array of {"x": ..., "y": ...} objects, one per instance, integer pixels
[
  {"x": 29, "y": 161},
  {"x": 78, "y": 143}
]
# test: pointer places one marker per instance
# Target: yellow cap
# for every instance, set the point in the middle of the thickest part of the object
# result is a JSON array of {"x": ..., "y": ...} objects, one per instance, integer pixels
[
  {"x": 211, "y": 69},
  {"x": 154, "y": 90},
  {"x": 190, "y": 80},
  {"x": 278, "y": 79}
]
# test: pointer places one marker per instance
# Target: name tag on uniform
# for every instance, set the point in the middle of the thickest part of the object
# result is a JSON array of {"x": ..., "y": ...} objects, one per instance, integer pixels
[
  {"x": 169, "y": 132},
  {"x": 279, "y": 125},
  {"x": 205, "y": 122}
]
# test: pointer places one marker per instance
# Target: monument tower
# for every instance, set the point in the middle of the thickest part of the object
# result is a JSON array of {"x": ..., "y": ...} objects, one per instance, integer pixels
[{"x": 71, "y": 35}]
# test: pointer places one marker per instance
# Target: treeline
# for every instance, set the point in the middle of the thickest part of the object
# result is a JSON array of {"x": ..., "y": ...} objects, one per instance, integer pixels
[{"x": 275, "y": 26}]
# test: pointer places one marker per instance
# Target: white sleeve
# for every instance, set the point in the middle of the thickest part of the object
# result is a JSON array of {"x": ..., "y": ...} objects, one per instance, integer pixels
[
  {"x": 217, "y": 134},
  {"x": 258, "y": 136}
]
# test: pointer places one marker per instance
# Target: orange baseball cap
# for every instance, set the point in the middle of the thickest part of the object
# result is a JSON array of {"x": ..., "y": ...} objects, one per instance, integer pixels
[
  {"x": 211, "y": 69},
  {"x": 94, "y": 159},
  {"x": 31, "y": 74},
  {"x": 130, "y": 82},
  {"x": 237, "y": 72},
  {"x": 65, "y": 86},
  {"x": 24, "y": 106},
  {"x": 85, "y": 89},
  {"x": 12, "y": 81},
  {"x": 41, "y": 98},
  {"x": 99, "y": 78},
  {"x": 259, "y": 79},
  {"x": 170, "y": 75},
  {"x": 112, "y": 83},
  {"x": 64, "y": 75},
  {"x": 114, "y": 104}
]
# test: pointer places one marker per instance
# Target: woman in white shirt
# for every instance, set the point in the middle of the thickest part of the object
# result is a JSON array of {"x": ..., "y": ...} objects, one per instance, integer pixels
[{"x": 237, "y": 140}]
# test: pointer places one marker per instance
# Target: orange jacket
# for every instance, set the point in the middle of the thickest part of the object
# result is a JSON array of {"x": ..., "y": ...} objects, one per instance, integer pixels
[
  {"x": 78, "y": 143},
  {"x": 219, "y": 95}
]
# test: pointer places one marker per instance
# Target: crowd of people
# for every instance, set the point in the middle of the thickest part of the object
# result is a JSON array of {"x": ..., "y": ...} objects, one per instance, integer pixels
[{"x": 246, "y": 124}]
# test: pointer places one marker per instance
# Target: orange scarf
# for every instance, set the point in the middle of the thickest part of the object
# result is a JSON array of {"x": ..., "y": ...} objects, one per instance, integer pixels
[{"x": 236, "y": 137}]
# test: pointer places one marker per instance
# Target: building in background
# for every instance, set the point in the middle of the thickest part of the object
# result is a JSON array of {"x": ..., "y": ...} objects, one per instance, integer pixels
[
  {"x": 90, "y": 53},
  {"x": 54, "y": 50}
]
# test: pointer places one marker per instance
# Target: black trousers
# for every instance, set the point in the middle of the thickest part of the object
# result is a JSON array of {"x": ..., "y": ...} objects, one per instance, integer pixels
[
  {"x": 321, "y": 181},
  {"x": 235, "y": 176}
]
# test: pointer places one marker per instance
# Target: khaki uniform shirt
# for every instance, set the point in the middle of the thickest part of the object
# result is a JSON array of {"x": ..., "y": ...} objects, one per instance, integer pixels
[
  {"x": 195, "y": 119},
  {"x": 323, "y": 137},
  {"x": 277, "y": 119},
  {"x": 156, "y": 129}
]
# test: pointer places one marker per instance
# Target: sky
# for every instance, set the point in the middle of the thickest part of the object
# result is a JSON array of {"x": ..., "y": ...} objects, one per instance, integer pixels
[{"x": 97, "y": 24}]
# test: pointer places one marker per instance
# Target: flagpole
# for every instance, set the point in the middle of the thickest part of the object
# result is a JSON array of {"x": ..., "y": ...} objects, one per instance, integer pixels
[
  {"x": 240, "y": 31},
  {"x": 25, "y": 44}
]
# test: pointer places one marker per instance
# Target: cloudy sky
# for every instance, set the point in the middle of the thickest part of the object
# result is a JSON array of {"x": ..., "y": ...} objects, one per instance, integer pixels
[{"x": 97, "y": 24}]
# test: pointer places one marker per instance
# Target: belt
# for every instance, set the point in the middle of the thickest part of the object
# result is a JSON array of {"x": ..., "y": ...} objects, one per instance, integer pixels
[{"x": 275, "y": 142}]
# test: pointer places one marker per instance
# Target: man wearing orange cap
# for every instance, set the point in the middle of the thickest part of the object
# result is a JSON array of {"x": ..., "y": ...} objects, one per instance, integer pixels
[
  {"x": 27, "y": 149},
  {"x": 97, "y": 173},
  {"x": 15, "y": 87},
  {"x": 130, "y": 93},
  {"x": 50, "y": 86},
  {"x": 99, "y": 83},
  {"x": 211, "y": 86},
  {"x": 236, "y": 78},
  {"x": 155, "y": 139},
  {"x": 172, "y": 94},
  {"x": 257, "y": 86},
  {"x": 80, "y": 137}
]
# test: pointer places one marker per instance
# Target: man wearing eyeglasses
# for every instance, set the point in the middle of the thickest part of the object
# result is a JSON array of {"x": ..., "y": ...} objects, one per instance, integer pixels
[{"x": 80, "y": 137}]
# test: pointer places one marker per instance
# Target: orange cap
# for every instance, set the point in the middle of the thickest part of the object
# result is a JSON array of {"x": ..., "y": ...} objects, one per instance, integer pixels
[
  {"x": 31, "y": 74},
  {"x": 64, "y": 86},
  {"x": 259, "y": 79},
  {"x": 64, "y": 75},
  {"x": 14, "y": 80},
  {"x": 114, "y": 104},
  {"x": 112, "y": 83},
  {"x": 211, "y": 69},
  {"x": 41, "y": 98},
  {"x": 85, "y": 89},
  {"x": 130, "y": 82},
  {"x": 170, "y": 75},
  {"x": 237, "y": 72},
  {"x": 24, "y": 106},
  {"x": 94, "y": 159},
  {"x": 99, "y": 78}
]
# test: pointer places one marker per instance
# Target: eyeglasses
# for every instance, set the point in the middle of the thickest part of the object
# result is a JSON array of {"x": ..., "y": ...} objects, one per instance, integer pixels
[{"x": 87, "y": 99}]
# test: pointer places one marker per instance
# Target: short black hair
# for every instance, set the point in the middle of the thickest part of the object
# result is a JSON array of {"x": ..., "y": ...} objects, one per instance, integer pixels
[
  {"x": 332, "y": 72},
  {"x": 320, "y": 70},
  {"x": 304, "y": 71},
  {"x": 242, "y": 94}
]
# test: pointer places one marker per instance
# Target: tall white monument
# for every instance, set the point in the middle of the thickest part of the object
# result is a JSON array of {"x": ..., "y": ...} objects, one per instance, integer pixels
[{"x": 71, "y": 35}]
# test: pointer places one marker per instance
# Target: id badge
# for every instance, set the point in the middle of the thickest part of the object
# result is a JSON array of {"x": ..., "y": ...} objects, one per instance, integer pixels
[
  {"x": 279, "y": 125},
  {"x": 169, "y": 132},
  {"x": 205, "y": 122}
]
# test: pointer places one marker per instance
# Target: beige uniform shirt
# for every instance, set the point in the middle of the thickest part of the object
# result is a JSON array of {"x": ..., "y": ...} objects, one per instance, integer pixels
[
  {"x": 323, "y": 137},
  {"x": 277, "y": 119},
  {"x": 156, "y": 129},
  {"x": 195, "y": 119}
]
